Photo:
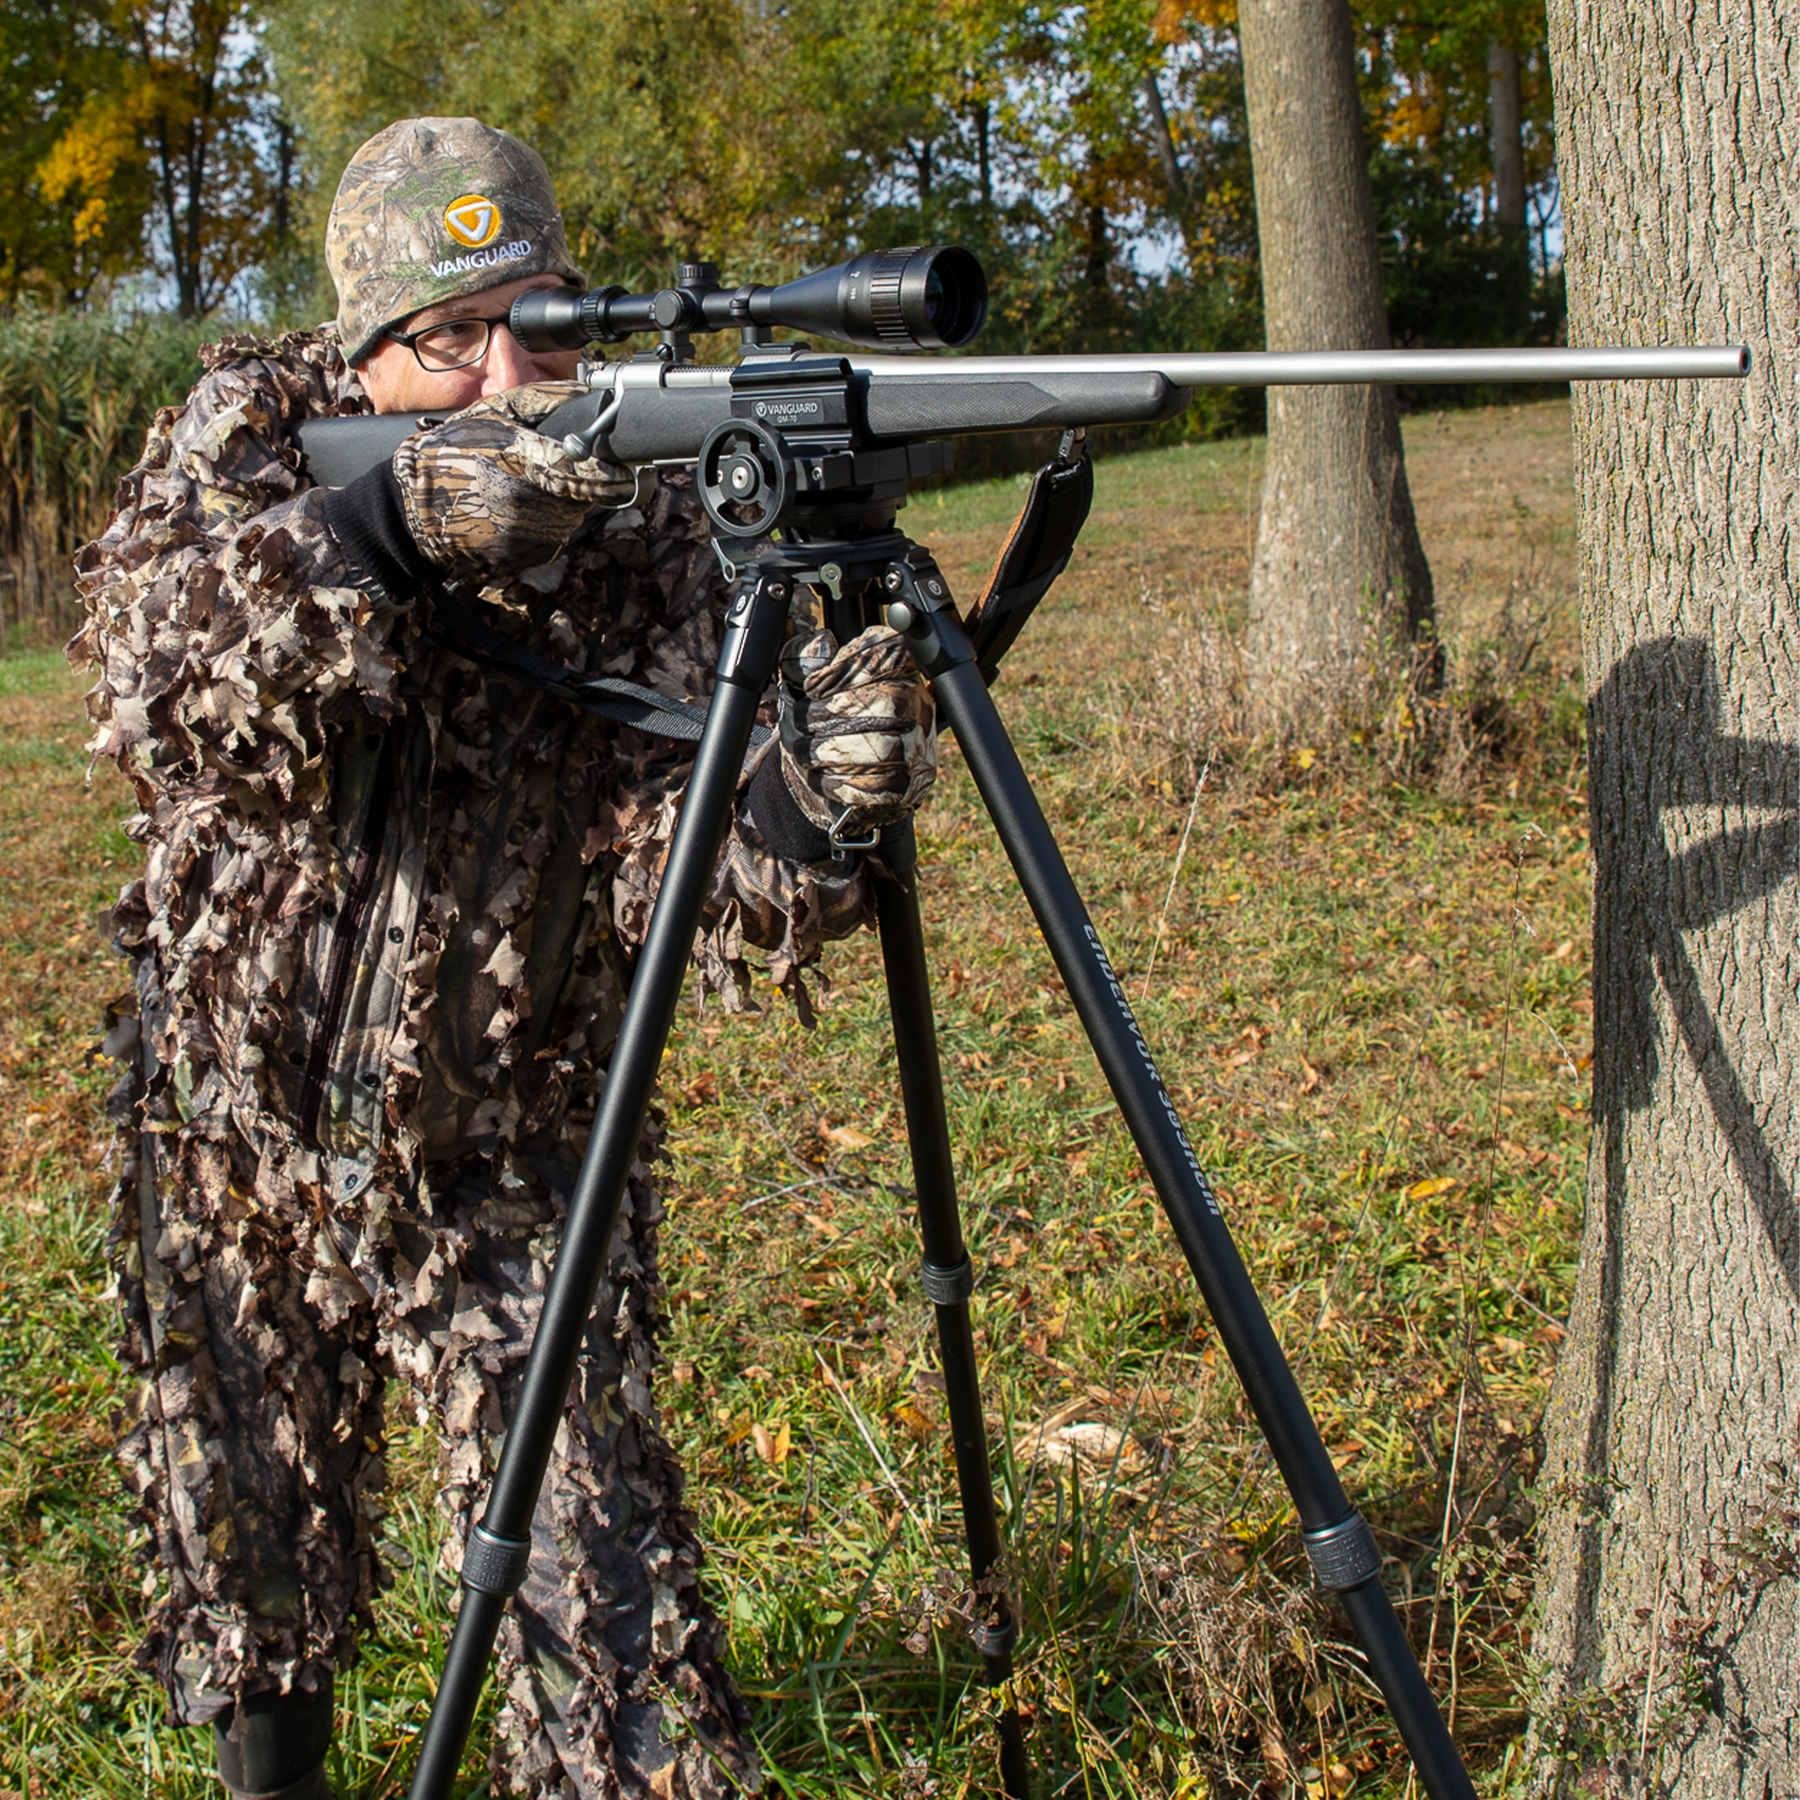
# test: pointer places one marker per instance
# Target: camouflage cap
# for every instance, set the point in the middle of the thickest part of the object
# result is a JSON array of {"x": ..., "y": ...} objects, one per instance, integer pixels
[{"x": 432, "y": 208}]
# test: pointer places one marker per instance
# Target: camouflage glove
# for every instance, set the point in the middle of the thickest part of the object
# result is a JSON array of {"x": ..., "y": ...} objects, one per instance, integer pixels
[
  {"x": 484, "y": 494},
  {"x": 858, "y": 748}
]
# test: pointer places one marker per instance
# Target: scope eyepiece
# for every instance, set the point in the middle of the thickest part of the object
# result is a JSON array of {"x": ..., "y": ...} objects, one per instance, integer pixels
[
  {"x": 924, "y": 298},
  {"x": 562, "y": 319}
]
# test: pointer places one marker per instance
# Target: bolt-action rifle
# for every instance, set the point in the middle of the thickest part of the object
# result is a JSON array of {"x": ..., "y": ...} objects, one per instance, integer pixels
[{"x": 661, "y": 406}]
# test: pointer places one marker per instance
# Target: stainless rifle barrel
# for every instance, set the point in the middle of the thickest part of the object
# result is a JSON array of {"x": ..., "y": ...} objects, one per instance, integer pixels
[{"x": 1304, "y": 368}]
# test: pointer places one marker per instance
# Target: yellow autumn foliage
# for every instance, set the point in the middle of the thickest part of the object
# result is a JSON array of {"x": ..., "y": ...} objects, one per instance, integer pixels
[
  {"x": 89, "y": 224},
  {"x": 84, "y": 161},
  {"x": 1414, "y": 118},
  {"x": 1174, "y": 19}
]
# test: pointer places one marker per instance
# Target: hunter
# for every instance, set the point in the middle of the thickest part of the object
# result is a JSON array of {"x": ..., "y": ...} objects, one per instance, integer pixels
[{"x": 380, "y": 948}]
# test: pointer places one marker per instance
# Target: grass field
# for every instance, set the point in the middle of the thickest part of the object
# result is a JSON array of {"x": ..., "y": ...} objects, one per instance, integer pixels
[{"x": 1364, "y": 972}]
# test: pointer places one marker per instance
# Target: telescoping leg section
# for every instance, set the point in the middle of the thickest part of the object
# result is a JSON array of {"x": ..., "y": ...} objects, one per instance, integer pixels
[
  {"x": 1338, "y": 1541},
  {"x": 495, "y": 1557},
  {"x": 949, "y": 1281}
]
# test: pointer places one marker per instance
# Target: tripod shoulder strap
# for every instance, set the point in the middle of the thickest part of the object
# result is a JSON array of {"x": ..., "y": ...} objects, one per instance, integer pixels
[
  {"x": 1036, "y": 551},
  {"x": 456, "y": 626}
]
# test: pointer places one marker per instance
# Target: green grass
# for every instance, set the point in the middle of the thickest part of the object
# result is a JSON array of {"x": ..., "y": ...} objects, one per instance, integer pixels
[
  {"x": 34, "y": 672},
  {"x": 1367, "y": 995}
]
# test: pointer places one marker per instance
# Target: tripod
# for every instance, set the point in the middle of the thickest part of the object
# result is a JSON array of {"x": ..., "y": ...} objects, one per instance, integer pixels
[{"x": 838, "y": 538}]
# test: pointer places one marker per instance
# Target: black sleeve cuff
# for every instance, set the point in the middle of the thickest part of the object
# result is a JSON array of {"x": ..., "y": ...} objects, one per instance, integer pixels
[
  {"x": 367, "y": 519},
  {"x": 778, "y": 819},
  {"x": 779, "y": 822}
]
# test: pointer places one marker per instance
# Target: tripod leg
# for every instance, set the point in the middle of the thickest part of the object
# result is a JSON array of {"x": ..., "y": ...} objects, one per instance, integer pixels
[
  {"x": 948, "y": 1278},
  {"x": 1338, "y": 1540},
  {"x": 495, "y": 1558}
]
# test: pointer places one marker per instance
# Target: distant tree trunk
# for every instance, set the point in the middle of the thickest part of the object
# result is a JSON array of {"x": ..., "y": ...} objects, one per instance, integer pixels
[
  {"x": 1097, "y": 263},
  {"x": 1506, "y": 136},
  {"x": 1544, "y": 211},
  {"x": 185, "y": 49},
  {"x": 983, "y": 114},
  {"x": 1339, "y": 582},
  {"x": 1174, "y": 182},
  {"x": 1506, "y": 122},
  {"x": 281, "y": 202},
  {"x": 1670, "y": 1534},
  {"x": 922, "y": 158}
]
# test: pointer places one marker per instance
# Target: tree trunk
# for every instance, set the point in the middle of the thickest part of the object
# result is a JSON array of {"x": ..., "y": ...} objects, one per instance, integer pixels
[
  {"x": 1174, "y": 183},
  {"x": 1670, "y": 1536},
  {"x": 1506, "y": 125},
  {"x": 921, "y": 154},
  {"x": 1339, "y": 584},
  {"x": 1506, "y": 128},
  {"x": 1097, "y": 254},
  {"x": 281, "y": 202},
  {"x": 983, "y": 115}
]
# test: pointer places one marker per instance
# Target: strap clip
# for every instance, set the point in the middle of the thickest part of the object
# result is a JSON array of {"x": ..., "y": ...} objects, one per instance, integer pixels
[{"x": 842, "y": 843}]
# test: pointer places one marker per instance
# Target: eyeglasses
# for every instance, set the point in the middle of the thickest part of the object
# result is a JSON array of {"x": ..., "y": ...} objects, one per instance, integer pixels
[{"x": 454, "y": 344}]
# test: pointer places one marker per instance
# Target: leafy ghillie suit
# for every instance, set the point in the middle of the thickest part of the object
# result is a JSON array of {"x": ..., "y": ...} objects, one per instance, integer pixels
[{"x": 380, "y": 952}]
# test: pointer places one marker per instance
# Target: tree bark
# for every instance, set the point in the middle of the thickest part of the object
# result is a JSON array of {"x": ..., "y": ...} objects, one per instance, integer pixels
[
  {"x": 185, "y": 51},
  {"x": 1098, "y": 258},
  {"x": 1670, "y": 1533},
  {"x": 921, "y": 154},
  {"x": 1339, "y": 585},
  {"x": 287, "y": 151}
]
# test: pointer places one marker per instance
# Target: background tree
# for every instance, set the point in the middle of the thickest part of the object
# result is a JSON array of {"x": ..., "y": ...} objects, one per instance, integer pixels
[
  {"x": 885, "y": 128},
  {"x": 1458, "y": 99},
  {"x": 908, "y": 137},
  {"x": 1671, "y": 1529},
  {"x": 642, "y": 111},
  {"x": 1506, "y": 143},
  {"x": 162, "y": 140},
  {"x": 1339, "y": 581},
  {"x": 1200, "y": 78},
  {"x": 77, "y": 188},
  {"x": 1135, "y": 109},
  {"x": 206, "y": 117}
]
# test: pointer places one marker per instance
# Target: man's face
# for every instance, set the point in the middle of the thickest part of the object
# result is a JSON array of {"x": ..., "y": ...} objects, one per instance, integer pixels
[{"x": 394, "y": 381}]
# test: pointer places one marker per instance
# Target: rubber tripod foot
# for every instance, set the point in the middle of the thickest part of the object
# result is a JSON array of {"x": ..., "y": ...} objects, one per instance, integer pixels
[{"x": 272, "y": 1746}]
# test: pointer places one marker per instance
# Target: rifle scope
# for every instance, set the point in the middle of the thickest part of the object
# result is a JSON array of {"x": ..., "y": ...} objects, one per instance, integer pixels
[{"x": 930, "y": 298}]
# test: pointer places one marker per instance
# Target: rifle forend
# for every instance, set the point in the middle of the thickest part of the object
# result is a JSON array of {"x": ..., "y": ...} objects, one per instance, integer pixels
[{"x": 648, "y": 410}]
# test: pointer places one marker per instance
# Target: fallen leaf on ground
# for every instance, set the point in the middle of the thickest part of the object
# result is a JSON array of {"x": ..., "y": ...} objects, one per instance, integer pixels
[{"x": 1430, "y": 1189}]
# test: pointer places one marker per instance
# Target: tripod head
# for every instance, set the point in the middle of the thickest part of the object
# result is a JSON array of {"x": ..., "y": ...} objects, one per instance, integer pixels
[{"x": 796, "y": 452}]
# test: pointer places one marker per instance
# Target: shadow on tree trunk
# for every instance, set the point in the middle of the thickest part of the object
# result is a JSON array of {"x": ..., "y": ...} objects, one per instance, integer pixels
[
  {"x": 1673, "y": 678},
  {"x": 1646, "y": 898}
]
